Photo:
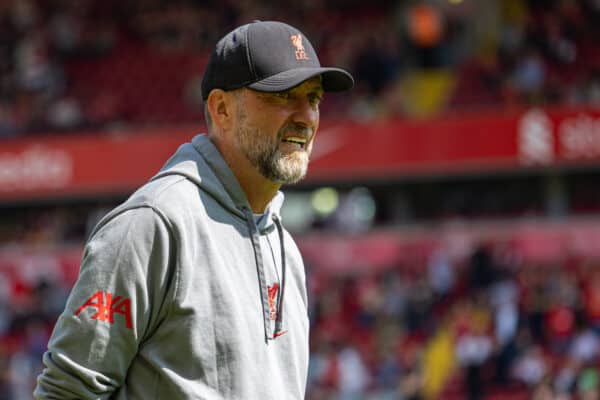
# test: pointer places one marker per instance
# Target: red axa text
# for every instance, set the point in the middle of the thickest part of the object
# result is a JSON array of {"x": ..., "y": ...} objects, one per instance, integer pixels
[{"x": 107, "y": 306}]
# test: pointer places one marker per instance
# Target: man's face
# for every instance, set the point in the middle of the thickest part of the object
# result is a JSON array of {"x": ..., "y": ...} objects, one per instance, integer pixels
[{"x": 275, "y": 131}]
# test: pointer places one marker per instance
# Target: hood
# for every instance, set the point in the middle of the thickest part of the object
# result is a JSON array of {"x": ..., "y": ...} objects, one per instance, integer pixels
[{"x": 201, "y": 162}]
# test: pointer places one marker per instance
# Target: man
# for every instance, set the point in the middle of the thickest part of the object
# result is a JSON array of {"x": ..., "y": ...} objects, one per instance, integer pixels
[{"x": 192, "y": 289}]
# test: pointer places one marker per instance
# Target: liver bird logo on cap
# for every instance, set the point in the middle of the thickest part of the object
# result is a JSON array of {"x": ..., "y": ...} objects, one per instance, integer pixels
[{"x": 297, "y": 42}]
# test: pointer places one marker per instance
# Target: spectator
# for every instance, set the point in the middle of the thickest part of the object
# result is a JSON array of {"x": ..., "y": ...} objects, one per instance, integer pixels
[
  {"x": 6, "y": 390},
  {"x": 474, "y": 348},
  {"x": 481, "y": 270},
  {"x": 529, "y": 75},
  {"x": 504, "y": 302},
  {"x": 587, "y": 384},
  {"x": 412, "y": 381},
  {"x": 441, "y": 273},
  {"x": 531, "y": 367},
  {"x": 36, "y": 72},
  {"x": 585, "y": 346},
  {"x": 543, "y": 391},
  {"x": 353, "y": 374},
  {"x": 8, "y": 123},
  {"x": 65, "y": 114}
]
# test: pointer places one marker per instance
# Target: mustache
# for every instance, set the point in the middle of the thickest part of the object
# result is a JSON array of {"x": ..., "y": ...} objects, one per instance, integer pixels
[{"x": 297, "y": 129}]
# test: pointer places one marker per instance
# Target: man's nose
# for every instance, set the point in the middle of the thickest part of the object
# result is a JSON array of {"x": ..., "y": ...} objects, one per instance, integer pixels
[{"x": 306, "y": 114}]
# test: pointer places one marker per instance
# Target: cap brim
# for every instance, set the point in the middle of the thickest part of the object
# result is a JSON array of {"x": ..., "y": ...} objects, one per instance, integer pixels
[{"x": 334, "y": 79}]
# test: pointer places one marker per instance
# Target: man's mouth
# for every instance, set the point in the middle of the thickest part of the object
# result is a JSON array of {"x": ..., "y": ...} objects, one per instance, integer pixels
[{"x": 296, "y": 140}]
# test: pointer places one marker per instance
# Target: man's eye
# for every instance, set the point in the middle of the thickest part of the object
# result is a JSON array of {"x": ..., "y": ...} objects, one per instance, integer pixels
[
  {"x": 314, "y": 100},
  {"x": 282, "y": 95}
]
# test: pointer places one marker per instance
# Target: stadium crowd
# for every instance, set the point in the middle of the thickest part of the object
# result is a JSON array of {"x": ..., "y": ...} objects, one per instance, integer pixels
[
  {"x": 488, "y": 325},
  {"x": 73, "y": 65},
  {"x": 491, "y": 325}
]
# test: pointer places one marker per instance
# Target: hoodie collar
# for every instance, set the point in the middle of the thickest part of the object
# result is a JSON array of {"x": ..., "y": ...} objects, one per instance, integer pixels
[
  {"x": 231, "y": 185},
  {"x": 201, "y": 162},
  {"x": 264, "y": 222},
  {"x": 219, "y": 167}
]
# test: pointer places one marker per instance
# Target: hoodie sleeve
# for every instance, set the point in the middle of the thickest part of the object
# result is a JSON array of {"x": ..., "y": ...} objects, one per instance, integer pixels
[{"x": 119, "y": 298}]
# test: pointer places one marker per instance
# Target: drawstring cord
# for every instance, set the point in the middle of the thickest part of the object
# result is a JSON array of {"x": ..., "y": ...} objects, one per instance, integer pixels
[
  {"x": 261, "y": 275},
  {"x": 259, "y": 269},
  {"x": 279, "y": 320}
]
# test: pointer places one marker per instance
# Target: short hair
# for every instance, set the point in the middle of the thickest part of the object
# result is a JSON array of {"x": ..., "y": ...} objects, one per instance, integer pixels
[{"x": 207, "y": 117}]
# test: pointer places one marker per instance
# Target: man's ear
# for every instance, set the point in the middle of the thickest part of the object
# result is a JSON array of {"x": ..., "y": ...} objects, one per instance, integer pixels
[{"x": 221, "y": 107}]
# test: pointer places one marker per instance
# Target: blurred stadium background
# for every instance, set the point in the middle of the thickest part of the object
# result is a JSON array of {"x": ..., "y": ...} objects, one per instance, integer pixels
[{"x": 451, "y": 219}]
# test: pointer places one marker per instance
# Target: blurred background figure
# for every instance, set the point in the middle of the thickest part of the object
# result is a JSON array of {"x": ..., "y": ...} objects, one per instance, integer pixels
[{"x": 450, "y": 219}]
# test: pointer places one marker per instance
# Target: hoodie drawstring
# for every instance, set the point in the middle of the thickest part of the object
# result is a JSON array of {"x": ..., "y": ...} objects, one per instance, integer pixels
[
  {"x": 260, "y": 270},
  {"x": 279, "y": 320}
]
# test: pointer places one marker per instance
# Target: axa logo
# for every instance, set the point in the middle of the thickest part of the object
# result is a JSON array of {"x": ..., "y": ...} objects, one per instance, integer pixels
[
  {"x": 272, "y": 291},
  {"x": 300, "y": 51},
  {"x": 107, "y": 306}
]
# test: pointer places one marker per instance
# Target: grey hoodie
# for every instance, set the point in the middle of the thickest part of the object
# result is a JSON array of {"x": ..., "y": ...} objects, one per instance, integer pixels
[{"x": 183, "y": 293}]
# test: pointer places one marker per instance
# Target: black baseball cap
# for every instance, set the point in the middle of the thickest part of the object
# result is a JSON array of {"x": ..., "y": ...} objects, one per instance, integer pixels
[{"x": 268, "y": 56}]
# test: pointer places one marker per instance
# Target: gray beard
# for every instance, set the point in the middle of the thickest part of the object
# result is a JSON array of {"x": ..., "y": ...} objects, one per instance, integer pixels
[{"x": 264, "y": 154}]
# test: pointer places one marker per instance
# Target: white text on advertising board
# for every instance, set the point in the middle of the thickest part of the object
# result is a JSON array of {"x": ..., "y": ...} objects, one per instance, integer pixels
[{"x": 36, "y": 167}]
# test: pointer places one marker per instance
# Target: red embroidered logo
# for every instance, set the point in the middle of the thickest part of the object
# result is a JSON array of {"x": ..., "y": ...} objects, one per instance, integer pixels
[
  {"x": 272, "y": 291},
  {"x": 277, "y": 334},
  {"x": 107, "y": 307},
  {"x": 300, "y": 51}
]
